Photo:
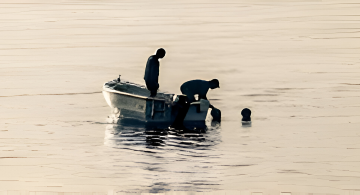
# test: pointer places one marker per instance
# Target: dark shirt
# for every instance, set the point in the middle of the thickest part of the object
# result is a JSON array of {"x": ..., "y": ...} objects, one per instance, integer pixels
[
  {"x": 193, "y": 87},
  {"x": 152, "y": 70}
]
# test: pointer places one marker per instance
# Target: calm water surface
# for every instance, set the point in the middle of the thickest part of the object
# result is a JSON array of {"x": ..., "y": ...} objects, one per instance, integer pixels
[{"x": 295, "y": 64}]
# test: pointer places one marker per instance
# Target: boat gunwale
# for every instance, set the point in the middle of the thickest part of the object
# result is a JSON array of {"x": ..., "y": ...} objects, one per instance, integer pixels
[{"x": 130, "y": 94}]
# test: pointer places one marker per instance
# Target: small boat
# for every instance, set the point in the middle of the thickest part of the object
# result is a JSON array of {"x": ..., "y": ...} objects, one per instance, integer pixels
[{"x": 131, "y": 101}]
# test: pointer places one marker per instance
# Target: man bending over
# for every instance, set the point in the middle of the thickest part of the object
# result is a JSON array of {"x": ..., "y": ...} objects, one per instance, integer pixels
[{"x": 198, "y": 87}]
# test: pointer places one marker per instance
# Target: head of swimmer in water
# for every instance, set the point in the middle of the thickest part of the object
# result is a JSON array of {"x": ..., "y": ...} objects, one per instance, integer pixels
[
  {"x": 160, "y": 53},
  {"x": 246, "y": 113},
  {"x": 214, "y": 84}
]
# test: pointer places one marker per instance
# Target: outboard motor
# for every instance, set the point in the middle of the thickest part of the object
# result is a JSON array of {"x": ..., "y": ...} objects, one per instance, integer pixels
[{"x": 180, "y": 108}]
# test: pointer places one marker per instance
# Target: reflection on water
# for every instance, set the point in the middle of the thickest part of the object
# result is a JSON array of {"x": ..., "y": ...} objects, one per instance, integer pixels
[
  {"x": 185, "y": 159},
  {"x": 294, "y": 63},
  {"x": 136, "y": 133},
  {"x": 246, "y": 124}
]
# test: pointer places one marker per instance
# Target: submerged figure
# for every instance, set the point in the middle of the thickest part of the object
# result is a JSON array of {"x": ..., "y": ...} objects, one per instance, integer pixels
[
  {"x": 152, "y": 72},
  {"x": 216, "y": 114},
  {"x": 198, "y": 87},
  {"x": 246, "y": 113}
]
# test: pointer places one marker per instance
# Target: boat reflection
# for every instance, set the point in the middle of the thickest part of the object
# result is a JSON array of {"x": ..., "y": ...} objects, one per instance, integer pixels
[
  {"x": 132, "y": 132},
  {"x": 170, "y": 159}
]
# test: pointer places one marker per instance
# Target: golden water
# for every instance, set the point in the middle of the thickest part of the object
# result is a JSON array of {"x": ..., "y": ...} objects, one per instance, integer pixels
[{"x": 295, "y": 64}]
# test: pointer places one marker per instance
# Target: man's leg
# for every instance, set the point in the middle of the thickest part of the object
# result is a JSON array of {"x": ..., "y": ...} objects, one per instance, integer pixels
[
  {"x": 190, "y": 96},
  {"x": 153, "y": 93},
  {"x": 152, "y": 87},
  {"x": 154, "y": 90}
]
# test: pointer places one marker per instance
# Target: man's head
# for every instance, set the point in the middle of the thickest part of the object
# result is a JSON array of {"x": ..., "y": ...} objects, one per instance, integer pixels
[
  {"x": 214, "y": 84},
  {"x": 160, "y": 53},
  {"x": 246, "y": 113}
]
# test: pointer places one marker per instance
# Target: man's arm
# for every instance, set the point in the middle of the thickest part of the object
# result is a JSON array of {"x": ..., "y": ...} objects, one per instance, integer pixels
[{"x": 202, "y": 93}]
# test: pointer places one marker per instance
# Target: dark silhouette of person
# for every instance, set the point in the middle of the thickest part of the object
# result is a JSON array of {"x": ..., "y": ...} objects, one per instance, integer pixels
[
  {"x": 198, "y": 87},
  {"x": 189, "y": 89},
  {"x": 151, "y": 76},
  {"x": 216, "y": 114},
  {"x": 246, "y": 113}
]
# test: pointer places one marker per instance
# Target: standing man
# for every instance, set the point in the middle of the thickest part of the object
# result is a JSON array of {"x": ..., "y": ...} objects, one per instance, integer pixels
[
  {"x": 199, "y": 87},
  {"x": 151, "y": 76}
]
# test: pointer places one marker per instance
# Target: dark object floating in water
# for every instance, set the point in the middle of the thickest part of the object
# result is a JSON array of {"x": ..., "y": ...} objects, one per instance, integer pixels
[
  {"x": 246, "y": 113},
  {"x": 216, "y": 114}
]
